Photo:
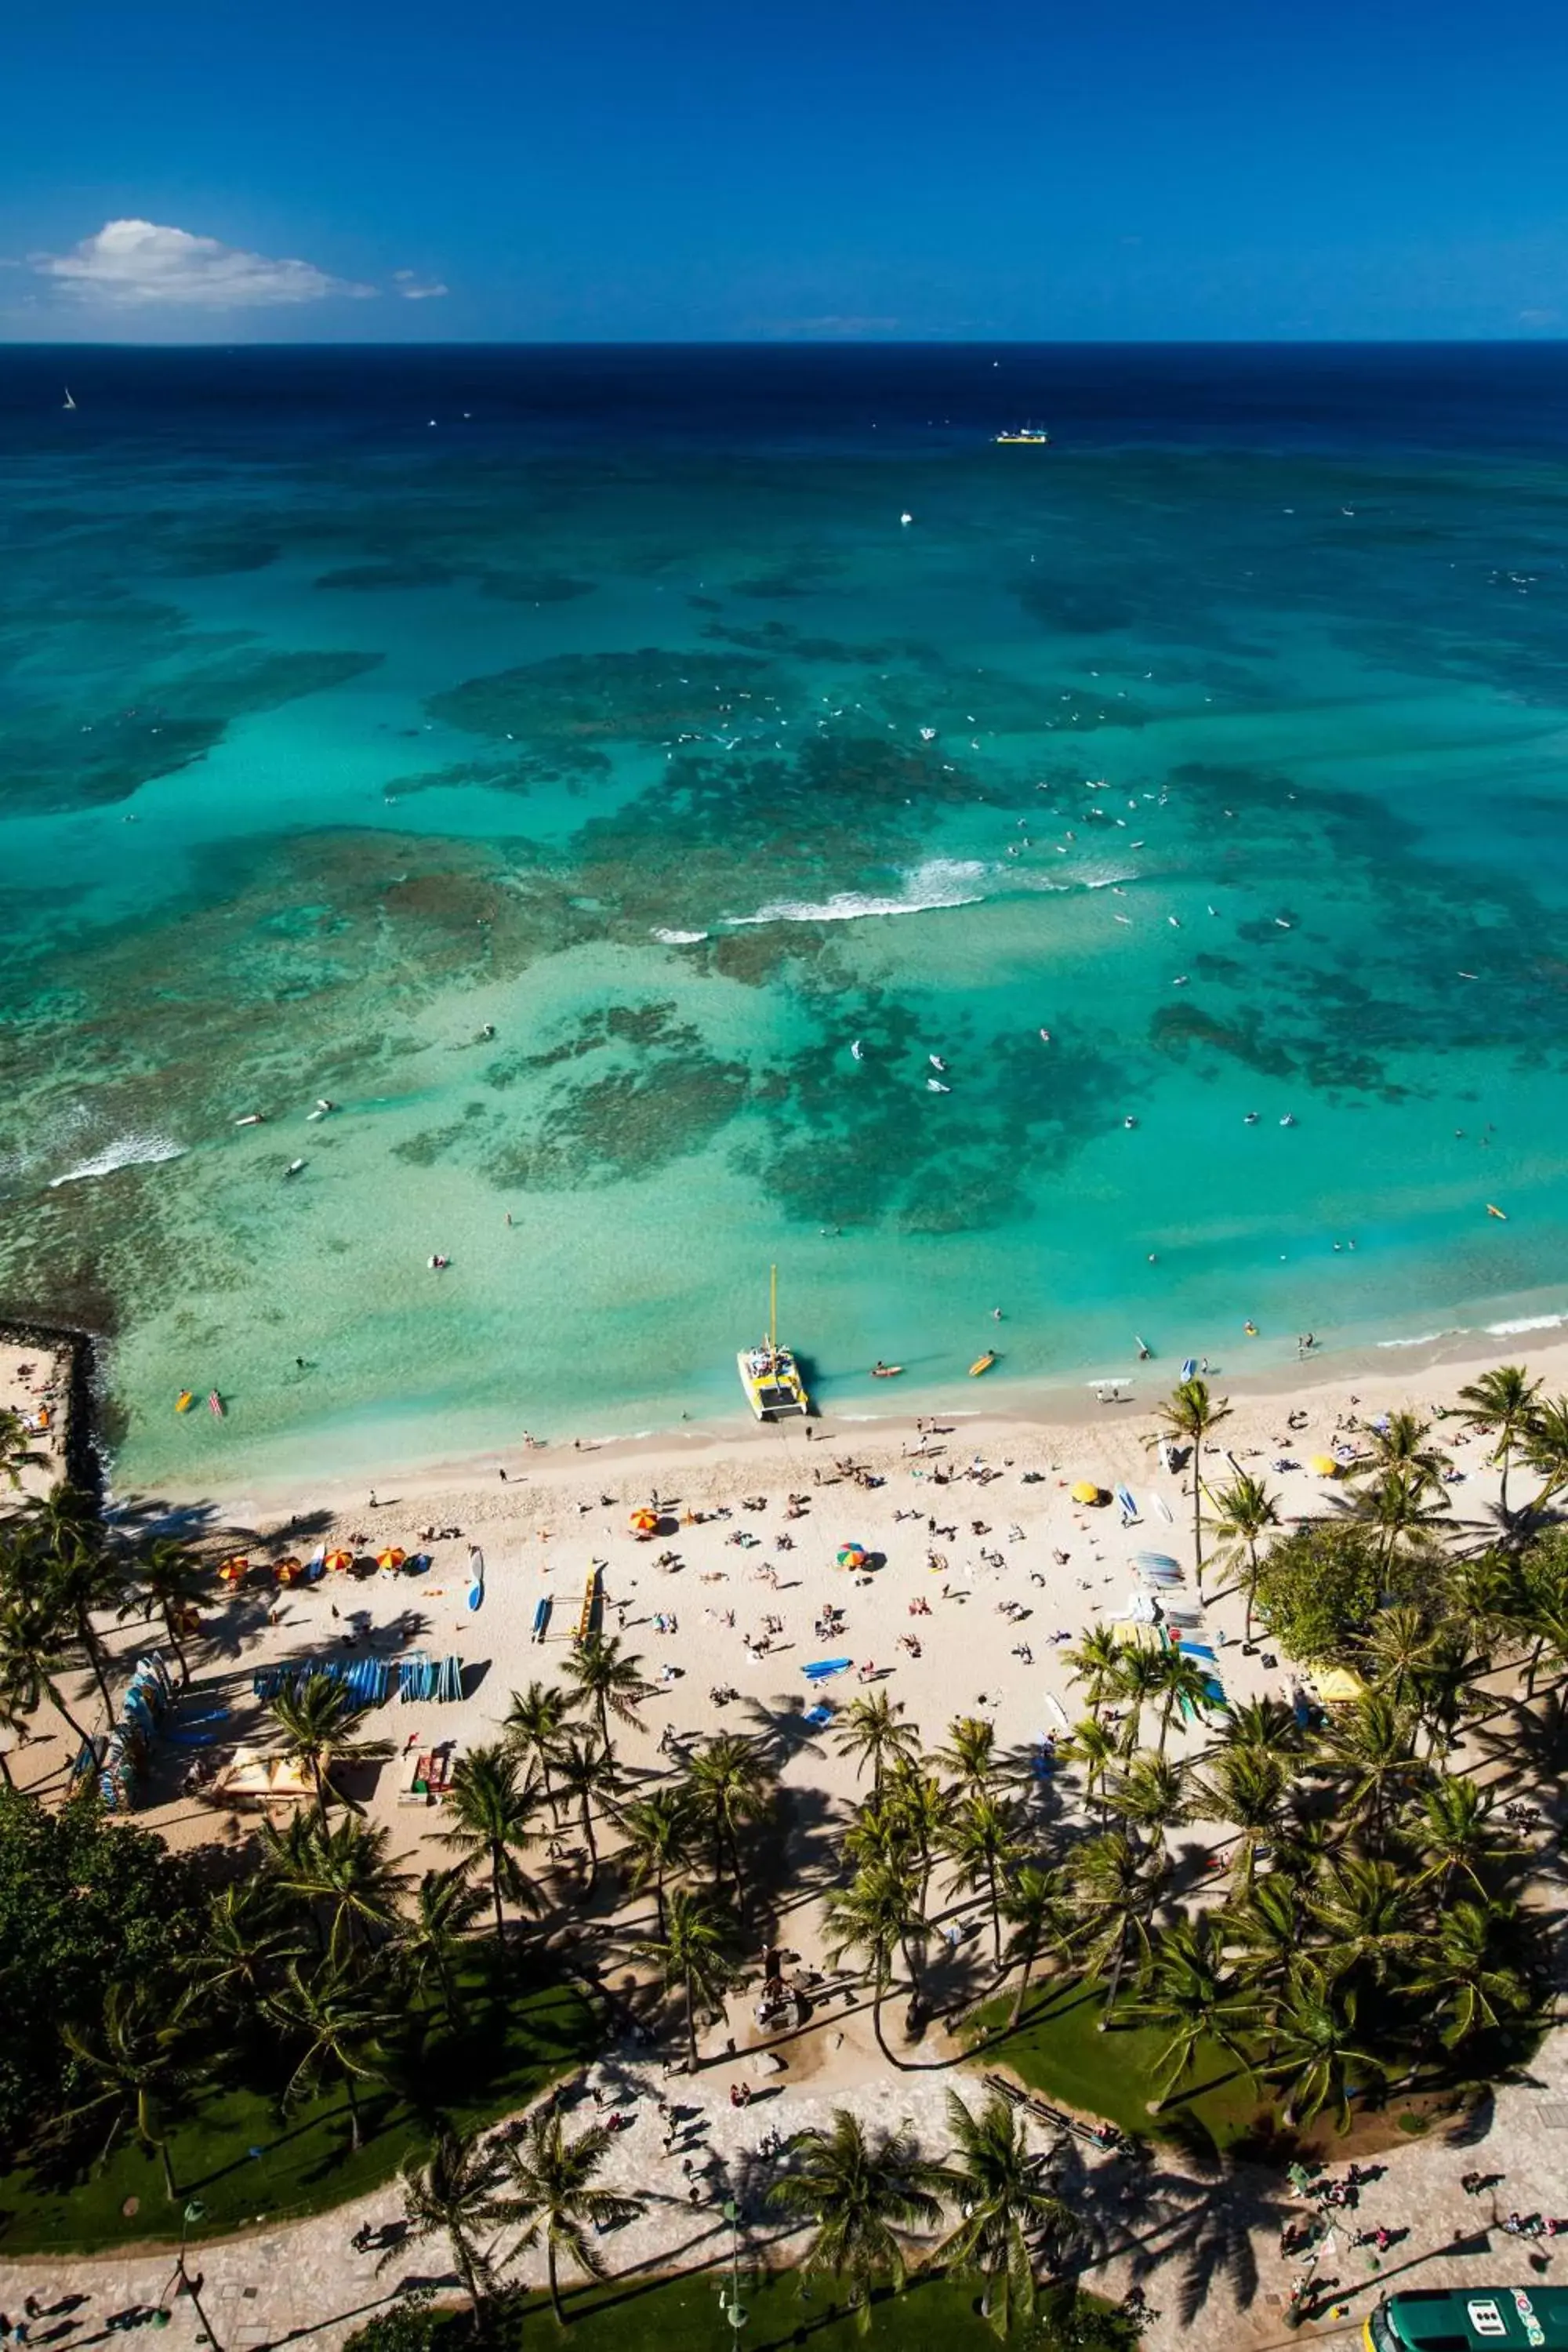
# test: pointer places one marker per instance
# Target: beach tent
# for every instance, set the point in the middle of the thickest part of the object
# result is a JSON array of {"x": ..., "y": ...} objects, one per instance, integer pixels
[{"x": 1338, "y": 1685}]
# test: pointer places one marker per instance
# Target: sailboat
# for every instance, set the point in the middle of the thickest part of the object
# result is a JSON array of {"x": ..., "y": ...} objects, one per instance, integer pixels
[
  {"x": 69, "y": 402},
  {"x": 769, "y": 1373}
]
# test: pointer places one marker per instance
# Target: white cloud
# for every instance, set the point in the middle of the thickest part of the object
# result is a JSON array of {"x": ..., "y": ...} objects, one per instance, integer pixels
[
  {"x": 130, "y": 263},
  {"x": 413, "y": 289}
]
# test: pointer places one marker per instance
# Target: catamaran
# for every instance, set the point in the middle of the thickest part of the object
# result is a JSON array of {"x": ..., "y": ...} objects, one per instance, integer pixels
[{"x": 769, "y": 1374}]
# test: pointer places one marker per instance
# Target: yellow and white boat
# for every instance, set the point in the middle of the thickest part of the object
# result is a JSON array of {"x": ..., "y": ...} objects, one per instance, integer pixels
[
  {"x": 769, "y": 1373},
  {"x": 1027, "y": 435}
]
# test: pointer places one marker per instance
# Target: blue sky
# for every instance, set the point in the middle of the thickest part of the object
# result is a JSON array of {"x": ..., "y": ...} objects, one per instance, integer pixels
[{"x": 627, "y": 171}]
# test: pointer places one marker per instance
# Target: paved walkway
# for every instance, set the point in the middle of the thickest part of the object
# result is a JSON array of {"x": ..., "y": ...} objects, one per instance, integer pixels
[{"x": 1196, "y": 2242}]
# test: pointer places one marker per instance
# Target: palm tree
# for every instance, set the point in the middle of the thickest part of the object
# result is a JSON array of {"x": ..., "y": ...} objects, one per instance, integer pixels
[
  {"x": 1243, "y": 1511},
  {"x": 1503, "y": 1402},
  {"x": 1475, "y": 1968},
  {"x": 432, "y": 1944},
  {"x": 1545, "y": 1450},
  {"x": 135, "y": 2054},
  {"x": 357, "y": 1882},
  {"x": 1142, "y": 1684},
  {"x": 693, "y": 1954},
  {"x": 1006, "y": 2200},
  {"x": 1099, "y": 1663},
  {"x": 1400, "y": 1644},
  {"x": 970, "y": 1754},
  {"x": 244, "y": 1942},
  {"x": 535, "y": 1725},
  {"x": 1455, "y": 1836},
  {"x": 659, "y": 1831},
  {"x": 1367, "y": 1912},
  {"x": 878, "y": 1831},
  {"x": 1400, "y": 1445},
  {"x": 861, "y": 2193},
  {"x": 492, "y": 1815},
  {"x": 80, "y": 1576},
  {"x": 550, "y": 2188},
  {"x": 872, "y": 1732},
  {"x": 1149, "y": 1796},
  {"x": 875, "y": 1915},
  {"x": 1369, "y": 1746},
  {"x": 982, "y": 1842},
  {"x": 1190, "y": 1995},
  {"x": 1265, "y": 1725},
  {"x": 30, "y": 1645},
  {"x": 606, "y": 1682},
  {"x": 1314, "y": 2054},
  {"x": 1541, "y": 1605},
  {"x": 319, "y": 1720},
  {"x": 453, "y": 2191},
  {"x": 1246, "y": 1787},
  {"x": 16, "y": 1454},
  {"x": 1263, "y": 1930},
  {"x": 1182, "y": 1681},
  {"x": 1192, "y": 1415},
  {"x": 1035, "y": 1909},
  {"x": 1399, "y": 1503},
  {"x": 587, "y": 1773},
  {"x": 729, "y": 1783},
  {"x": 1115, "y": 1887},
  {"x": 338, "y": 2012},
  {"x": 1094, "y": 1746},
  {"x": 172, "y": 1580},
  {"x": 913, "y": 1799}
]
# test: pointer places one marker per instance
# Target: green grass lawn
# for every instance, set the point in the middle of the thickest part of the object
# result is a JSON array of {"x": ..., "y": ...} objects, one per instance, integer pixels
[
  {"x": 681, "y": 2315},
  {"x": 1058, "y": 2052},
  {"x": 243, "y": 2161}
]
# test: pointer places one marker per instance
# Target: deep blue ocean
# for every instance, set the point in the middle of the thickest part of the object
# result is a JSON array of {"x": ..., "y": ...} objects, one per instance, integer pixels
[{"x": 557, "y": 760}]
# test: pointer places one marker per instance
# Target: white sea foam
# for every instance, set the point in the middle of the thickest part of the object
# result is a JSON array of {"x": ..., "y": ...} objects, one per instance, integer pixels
[
  {"x": 680, "y": 938},
  {"x": 940, "y": 882},
  {"x": 129, "y": 1151},
  {"x": 1427, "y": 1338},
  {"x": 1525, "y": 1323}
]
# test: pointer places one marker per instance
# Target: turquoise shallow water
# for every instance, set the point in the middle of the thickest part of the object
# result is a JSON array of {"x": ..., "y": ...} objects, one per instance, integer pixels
[{"x": 623, "y": 718}]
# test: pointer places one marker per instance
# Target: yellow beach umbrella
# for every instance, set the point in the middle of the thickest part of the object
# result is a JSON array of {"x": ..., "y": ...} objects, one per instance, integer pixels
[
  {"x": 1084, "y": 1492},
  {"x": 287, "y": 1571},
  {"x": 645, "y": 1523},
  {"x": 1323, "y": 1465},
  {"x": 339, "y": 1560},
  {"x": 393, "y": 1557},
  {"x": 234, "y": 1568}
]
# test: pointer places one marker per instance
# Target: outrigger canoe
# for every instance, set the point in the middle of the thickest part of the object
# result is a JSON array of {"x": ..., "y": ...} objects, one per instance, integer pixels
[{"x": 982, "y": 1364}]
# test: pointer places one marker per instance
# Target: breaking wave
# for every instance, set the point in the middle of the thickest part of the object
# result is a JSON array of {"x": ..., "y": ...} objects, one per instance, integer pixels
[{"x": 130, "y": 1151}]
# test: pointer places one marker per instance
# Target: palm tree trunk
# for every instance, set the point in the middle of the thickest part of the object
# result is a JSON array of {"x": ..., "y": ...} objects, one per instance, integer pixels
[
  {"x": 1251, "y": 1584},
  {"x": 554, "y": 2283},
  {"x": 658, "y": 1899},
  {"x": 57, "y": 1703},
  {"x": 495, "y": 1892},
  {"x": 88, "y": 1640},
  {"x": 170, "y": 2190},
  {"x": 878, "y": 1997},
  {"x": 1023, "y": 1988},
  {"x": 174, "y": 1645},
  {"x": 1502, "y": 1491},
  {"x": 1115, "y": 1985},
  {"x": 995, "y": 1916},
  {"x": 593, "y": 1845},
  {"x": 691, "y": 2023},
  {"x": 464, "y": 2253},
  {"x": 353, "y": 2108}
]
